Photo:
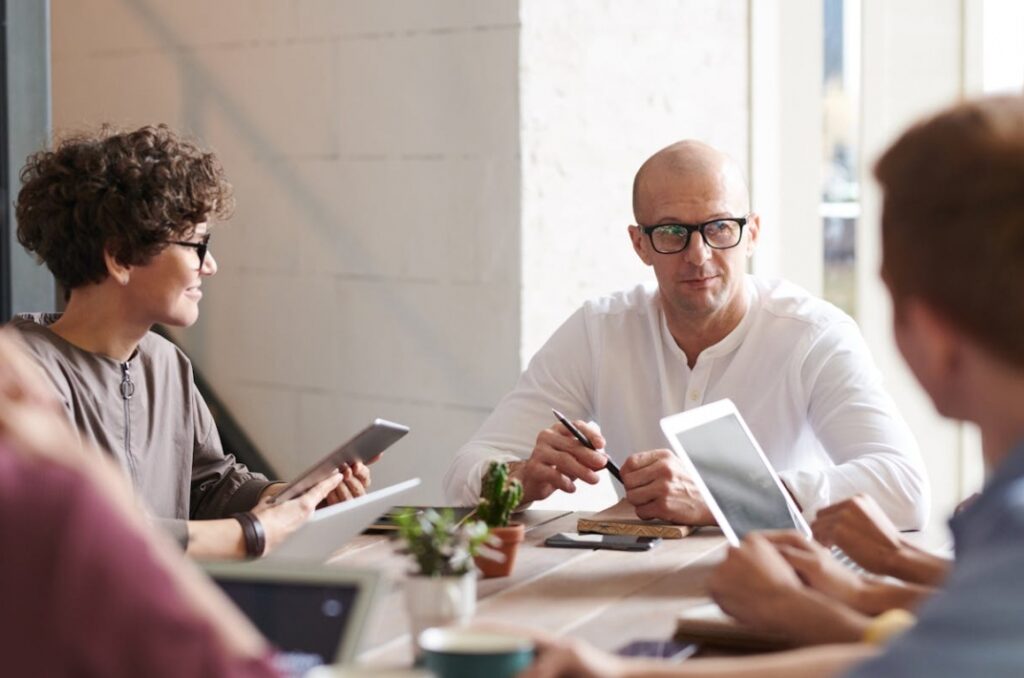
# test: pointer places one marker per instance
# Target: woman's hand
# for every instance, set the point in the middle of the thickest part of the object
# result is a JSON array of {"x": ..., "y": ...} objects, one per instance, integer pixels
[
  {"x": 280, "y": 520},
  {"x": 355, "y": 481}
]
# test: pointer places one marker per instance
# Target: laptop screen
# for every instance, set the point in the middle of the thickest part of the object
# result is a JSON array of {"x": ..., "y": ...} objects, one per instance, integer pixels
[
  {"x": 737, "y": 476},
  {"x": 305, "y": 622}
]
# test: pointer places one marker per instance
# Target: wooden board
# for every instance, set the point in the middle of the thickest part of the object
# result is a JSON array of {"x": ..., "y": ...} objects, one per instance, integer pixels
[{"x": 622, "y": 519}]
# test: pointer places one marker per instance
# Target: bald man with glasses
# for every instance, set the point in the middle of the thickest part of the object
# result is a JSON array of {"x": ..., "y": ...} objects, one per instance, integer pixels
[{"x": 796, "y": 367}]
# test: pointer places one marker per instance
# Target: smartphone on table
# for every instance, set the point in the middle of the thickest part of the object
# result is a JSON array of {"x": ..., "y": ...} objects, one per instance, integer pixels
[{"x": 615, "y": 542}]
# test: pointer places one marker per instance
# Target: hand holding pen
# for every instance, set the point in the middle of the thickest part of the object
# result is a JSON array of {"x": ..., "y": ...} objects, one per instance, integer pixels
[
  {"x": 559, "y": 458},
  {"x": 578, "y": 435}
]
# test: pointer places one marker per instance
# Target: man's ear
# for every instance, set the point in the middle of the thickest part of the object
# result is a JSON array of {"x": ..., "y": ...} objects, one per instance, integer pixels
[
  {"x": 118, "y": 272},
  {"x": 636, "y": 236},
  {"x": 753, "y": 232}
]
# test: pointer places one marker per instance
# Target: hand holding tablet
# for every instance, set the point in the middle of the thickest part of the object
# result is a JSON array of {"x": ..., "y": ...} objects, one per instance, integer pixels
[{"x": 365, "y": 446}]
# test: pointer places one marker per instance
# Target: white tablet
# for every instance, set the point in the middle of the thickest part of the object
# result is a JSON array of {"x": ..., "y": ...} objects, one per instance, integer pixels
[
  {"x": 738, "y": 483},
  {"x": 364, "y": 446}
]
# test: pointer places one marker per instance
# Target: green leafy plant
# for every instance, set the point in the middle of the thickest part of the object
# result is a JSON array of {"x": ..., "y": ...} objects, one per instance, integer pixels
[
  {"x": 499, "y": 496},
  {"x": 440, "y": 545}
]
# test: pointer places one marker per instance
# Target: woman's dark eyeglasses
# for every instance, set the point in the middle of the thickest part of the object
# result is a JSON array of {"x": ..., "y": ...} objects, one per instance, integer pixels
[
  {"x": 718, "y": 234},
  {"x": 200, "y": 247}
]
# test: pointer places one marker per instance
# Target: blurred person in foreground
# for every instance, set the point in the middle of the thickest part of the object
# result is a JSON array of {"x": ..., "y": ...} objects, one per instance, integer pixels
[
  {"x": 88, "y": 588},
  {"x": 953, "y": 261}
]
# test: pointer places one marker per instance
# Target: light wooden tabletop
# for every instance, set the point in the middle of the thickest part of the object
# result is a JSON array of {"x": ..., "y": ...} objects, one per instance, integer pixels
[{"x": 608, "y": 598}]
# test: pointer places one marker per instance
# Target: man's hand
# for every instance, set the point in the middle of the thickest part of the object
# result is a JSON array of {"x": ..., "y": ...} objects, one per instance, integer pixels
[
  {"x": 558, "y": 459},
  {"x": 819, "y": 569},
  {"x": 658, "y": 487},
  {"x": 758, "y": 587},
  {"x": 754, "y": 583},
  {"x": 565, "y": 657},
  {"x": 861, "y": 529}
]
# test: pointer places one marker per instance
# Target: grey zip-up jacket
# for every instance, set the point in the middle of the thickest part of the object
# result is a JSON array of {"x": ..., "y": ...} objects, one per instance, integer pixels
[{"x": 149, "y": 415}]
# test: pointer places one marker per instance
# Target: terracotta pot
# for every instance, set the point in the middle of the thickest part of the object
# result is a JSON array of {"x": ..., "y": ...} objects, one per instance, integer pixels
[{"x": 510, "y": 538}]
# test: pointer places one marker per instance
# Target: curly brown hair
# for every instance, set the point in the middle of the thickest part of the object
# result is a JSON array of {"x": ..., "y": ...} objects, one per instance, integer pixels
[{"x": 124, "y": 192}]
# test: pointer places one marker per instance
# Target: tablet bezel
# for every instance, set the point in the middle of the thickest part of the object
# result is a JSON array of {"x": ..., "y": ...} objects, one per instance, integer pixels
[{"x": 674, "y": 424}]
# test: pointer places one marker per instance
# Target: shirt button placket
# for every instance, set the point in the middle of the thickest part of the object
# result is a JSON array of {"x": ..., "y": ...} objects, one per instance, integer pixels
[{"x": 698, "y": 385}]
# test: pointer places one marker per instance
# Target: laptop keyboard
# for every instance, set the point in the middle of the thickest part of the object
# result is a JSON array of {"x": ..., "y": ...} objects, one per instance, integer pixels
[{"x": 846, "y": 560}]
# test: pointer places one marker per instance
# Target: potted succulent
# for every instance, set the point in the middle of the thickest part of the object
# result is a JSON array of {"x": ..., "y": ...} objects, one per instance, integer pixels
[
  {"x": 499, "y": 496},
  {"x": 442, "y": 590}
]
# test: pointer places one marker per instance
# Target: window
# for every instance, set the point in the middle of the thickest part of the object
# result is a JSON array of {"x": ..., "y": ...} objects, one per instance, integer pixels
[{"x": 840, "y": 188}]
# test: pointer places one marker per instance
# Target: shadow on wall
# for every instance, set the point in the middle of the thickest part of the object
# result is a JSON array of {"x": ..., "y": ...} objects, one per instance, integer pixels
[{"x": 201, "y": 90}]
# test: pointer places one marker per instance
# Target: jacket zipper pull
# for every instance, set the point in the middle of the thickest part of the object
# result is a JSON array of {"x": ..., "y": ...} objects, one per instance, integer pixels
[{"x": 127, "y": 385}]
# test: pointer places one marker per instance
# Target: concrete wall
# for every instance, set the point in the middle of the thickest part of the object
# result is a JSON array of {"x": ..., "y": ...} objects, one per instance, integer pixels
[{"x": 372, "y": 265}]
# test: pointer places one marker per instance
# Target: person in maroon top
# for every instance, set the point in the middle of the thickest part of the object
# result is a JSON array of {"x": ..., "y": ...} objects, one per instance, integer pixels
[{"x": 87, "y": 588}]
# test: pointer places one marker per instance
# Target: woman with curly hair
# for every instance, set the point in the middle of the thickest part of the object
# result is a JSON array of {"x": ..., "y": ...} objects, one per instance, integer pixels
[{"x": 122, "y": 222}]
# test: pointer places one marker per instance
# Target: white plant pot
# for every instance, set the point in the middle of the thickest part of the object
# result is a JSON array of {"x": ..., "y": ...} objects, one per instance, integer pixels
[{"x": 438, "y": 601}]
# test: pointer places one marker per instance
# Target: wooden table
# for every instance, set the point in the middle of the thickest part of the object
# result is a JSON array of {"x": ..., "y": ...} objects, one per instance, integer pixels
[{"x": 608, "y": 598}]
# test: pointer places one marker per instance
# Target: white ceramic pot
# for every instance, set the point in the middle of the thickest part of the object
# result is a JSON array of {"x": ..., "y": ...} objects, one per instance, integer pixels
[{"x": 438, "y": 601}]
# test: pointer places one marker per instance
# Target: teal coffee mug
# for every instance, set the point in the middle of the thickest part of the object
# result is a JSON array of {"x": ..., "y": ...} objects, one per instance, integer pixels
[{"x": 459, "y": 652}]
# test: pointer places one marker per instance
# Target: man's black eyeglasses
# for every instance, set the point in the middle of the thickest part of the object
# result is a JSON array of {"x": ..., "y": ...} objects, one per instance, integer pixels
[
  {"x": 200, "y": 247},
  {"x": 718, "y": 234}
]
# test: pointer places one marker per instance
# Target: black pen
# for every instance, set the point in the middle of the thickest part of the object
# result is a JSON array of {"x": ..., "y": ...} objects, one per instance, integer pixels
[{"x": 612, "y": 468}]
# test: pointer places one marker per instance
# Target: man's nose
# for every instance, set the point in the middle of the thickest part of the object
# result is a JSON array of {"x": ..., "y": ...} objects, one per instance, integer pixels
[{"x": 697, "y": 251}]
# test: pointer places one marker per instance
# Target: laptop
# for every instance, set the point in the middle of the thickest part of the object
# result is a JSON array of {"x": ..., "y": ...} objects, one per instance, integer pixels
[
  {"x": 735, "y": 478},
  {"x": 328, "y": 529},
  {"x": 312, "y": 614}
]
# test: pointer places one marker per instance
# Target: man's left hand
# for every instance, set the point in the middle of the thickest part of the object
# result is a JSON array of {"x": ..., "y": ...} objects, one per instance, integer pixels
[
  {"x": 754, "y": 583},
  {"x": 659, "y": 488},
  {"x": 759, "y": 588}
]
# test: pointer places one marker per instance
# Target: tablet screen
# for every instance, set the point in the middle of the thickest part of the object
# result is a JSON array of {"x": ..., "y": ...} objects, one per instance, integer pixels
[
  {"x": 306, "y": 622},
  {"x": 737, "y": 476}
]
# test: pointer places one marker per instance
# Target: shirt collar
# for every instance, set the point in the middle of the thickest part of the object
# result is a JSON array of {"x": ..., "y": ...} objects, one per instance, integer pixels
[
  {"x": 1009, "y": 471},
  {"x": 729, "y": 342},
  {"x": 732, "y": 341}
]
